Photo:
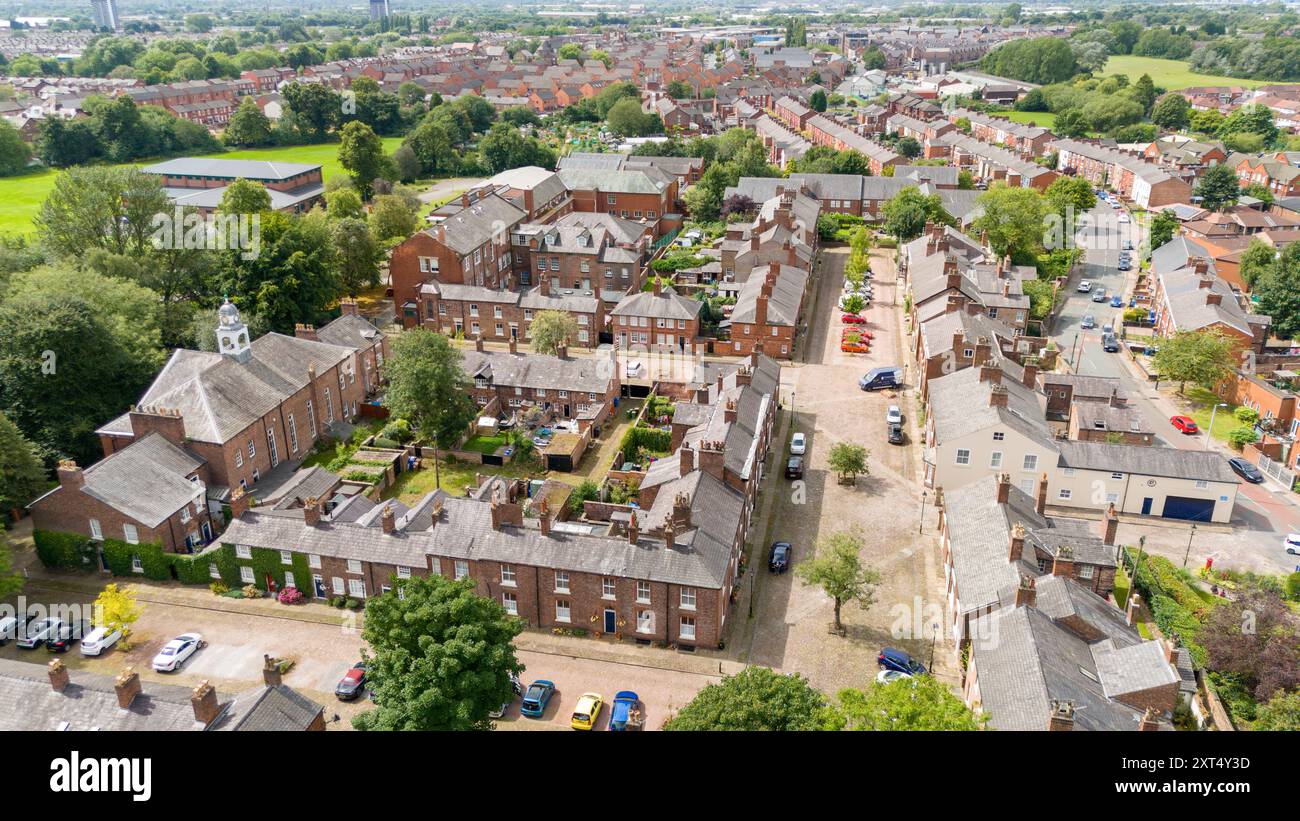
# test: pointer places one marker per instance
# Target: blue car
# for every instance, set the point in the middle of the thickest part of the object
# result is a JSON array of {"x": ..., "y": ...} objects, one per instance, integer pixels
[
  {"x": 891, "y": 659},
  {"x": 627, "y": 713},
  {"x": 1116, "y": 302},
  {"x": 536, "y": 697}
]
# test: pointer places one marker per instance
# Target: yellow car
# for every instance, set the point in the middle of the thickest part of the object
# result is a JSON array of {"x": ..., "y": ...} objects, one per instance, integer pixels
[{"x": 587, "y": 711}]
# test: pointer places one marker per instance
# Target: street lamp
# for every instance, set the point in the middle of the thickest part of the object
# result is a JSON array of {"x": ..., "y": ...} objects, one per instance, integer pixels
[
  {"x": 1213, "y": 411},
  {"x": 920, "y": 526},
  {"x": 1188, "y": 554},
  {"x": 934, "y": 638}
]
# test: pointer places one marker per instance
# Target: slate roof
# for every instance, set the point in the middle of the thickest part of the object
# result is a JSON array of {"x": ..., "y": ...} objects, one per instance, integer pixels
[
  {"x": 470, "y": 227},
  {"x": 350, "y": 332},
  {"x": 645, "y": 180},
  {"x": 147, "y": 480},
  {"x": 230, "y": 169},
  {"x": 959, "y": 405},
  {"x": 782, "y": 305},
  {"x": 585, "y": 374},
  {"x": 1174, "y": 463},
  {"x": 667, "y": 304}
]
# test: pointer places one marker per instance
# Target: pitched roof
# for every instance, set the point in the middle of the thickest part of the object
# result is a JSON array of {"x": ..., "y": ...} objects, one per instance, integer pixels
[
  {"x": 667, "y": 304},
  {"x": 1174, "y": 463}
]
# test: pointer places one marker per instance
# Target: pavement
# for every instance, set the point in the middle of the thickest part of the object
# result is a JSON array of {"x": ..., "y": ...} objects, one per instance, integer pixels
[{"x": 1263, "y": 515}]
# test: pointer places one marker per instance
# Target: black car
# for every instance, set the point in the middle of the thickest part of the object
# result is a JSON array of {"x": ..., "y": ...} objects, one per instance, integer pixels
[
  {"x": 794, "y": 468},
  {"x": 1110, "y": 344},
  {"x": 780, "y": 559},
  {"x": 63, "y": 638},
  {"x": 895, "y": 434},
  {"x": 352, "y": 684},
  {"x": 1245, "y": 470}
]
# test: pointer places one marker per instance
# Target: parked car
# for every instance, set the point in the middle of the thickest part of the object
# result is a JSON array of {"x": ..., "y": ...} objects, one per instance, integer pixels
[
  {"x": 1184, "y": 423},
  {"x": 536, "y": 697},
  {"x": 1084, "y": 287},
  {"x": 891, "y": 659},
  {"x": 1088, "y": 322},
  {"x": 587, "y": 711},
  {"x": 880, "y": 378},
  {"x": 798, "y": 444},
  {"x": 1108, "y": 329},
  {"x": 1116, "y": 301},
  {"x": 1245, "y": 470},
  {"x": 794, "y": 467},
  {"x": 779, "y": 559},
  {"x": 99, "y": 640},
  {"x": 1128, "y": 245},
  {"x": 517, "y": 688},
  {"x": 626, "y": 713},
  {"x": 894, "y": 416},
  {"x": 1292, "y": 544},
  {"x": 1099, "y": 295},
  {"x": 1123, "y": 218},
  {"x": 353, "y": 682},
  {"x": 895, "y": 434},
  {"x": 11, "y": 627},
  {"x": 1125, "y": 265},
  {"x": 886, "y": 676},
  {"x": 853, "y": 319},
  {"x": 62, "y": 639},
  {"x": 38, "y": 631},
  {"x": 176, "y": 652},
  {"x": 1110, "y": 344}
]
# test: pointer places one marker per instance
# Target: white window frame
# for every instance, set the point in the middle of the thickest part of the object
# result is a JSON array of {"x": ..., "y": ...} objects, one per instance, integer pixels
[
  {"x": 962, "y": 457},
  {"x": 246, "y": 574},
  {"x": 130, "y": 534},
  {"x": 509, "y": 577},
  {"x": 686, "y": 598},
  {"x": 563, "y": 613},
  {"x": 643, "y": 592},
  {"x": 561, "y": 581}
]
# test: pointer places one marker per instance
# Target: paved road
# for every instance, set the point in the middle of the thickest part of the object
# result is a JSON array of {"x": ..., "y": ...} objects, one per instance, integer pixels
[{"x": 1264, "y": 513}]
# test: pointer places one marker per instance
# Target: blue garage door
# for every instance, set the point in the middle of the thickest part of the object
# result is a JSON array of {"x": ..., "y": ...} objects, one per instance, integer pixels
[{"x": 1182, "y": 507}]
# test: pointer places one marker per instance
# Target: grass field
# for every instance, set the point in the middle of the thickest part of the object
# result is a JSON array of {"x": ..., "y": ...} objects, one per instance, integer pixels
[
  {"x": 1171, "y": 74},
  {"x": 21, "y": 197},
  {"x": 1046, "y": 119}
]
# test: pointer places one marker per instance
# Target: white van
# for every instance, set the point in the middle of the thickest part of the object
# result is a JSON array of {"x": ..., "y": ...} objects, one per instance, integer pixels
[{"x": 99, "y": 640}]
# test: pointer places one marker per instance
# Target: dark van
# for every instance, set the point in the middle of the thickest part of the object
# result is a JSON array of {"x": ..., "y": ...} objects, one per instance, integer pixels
[{"x": 878, "y": 379}]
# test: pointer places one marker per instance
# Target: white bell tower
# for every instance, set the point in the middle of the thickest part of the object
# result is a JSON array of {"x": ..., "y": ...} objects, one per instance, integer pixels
[{"x": 232, "y": 334}]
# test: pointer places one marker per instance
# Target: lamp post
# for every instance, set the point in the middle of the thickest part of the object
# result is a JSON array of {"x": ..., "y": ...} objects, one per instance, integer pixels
[
  {"x": 1213, "y": 411},
  {"x": 933, "y": 639},
  {"x": 920, "y": 526},
  {"x": 1188, "y": 554}
]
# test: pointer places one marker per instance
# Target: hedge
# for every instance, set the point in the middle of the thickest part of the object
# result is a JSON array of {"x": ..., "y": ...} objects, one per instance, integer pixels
[
  {"x": 1159, "y": 576},
  {"x": 67, "y": 551},
  {"x": 1176, "y": 620},
  {"x": 652, "y": 439}
]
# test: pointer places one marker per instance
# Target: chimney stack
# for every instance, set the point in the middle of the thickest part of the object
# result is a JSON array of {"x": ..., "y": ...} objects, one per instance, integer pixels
[
  {"x": 1016, "y": 543},
  {"x": 991, "y": 373},
  {"x": 1061, "y": 716},
  {"x": 302, "y": 331},
  {"x": 59, "y": 677},
  {"x": 270, "y": 671},
  {"x": 1109, "y": 525},
  {"x": 1149, "y": 722},
  {"x": 1171, "y": 651},
  {"x": 1131, "y": 607},
  {"x": 388, "y": 519},
  {"x": 127, "y": 686},
  {"x": 514, "y": 345},
  {"x": 1004, "y": 488},
  {"x": 1030, "y": 379},
  {"x": 729, "y": 411},
  {"x": 238, "y": 503},
  {"x": 562, "y": 350},
  {"x": 681, "y": 514},
  {"x": 70, "y": 476},
  {"x": 311, "y": 511},
  {"x": 1026, "y": 595},
  {"x": 204, "y": 702},
  {"x": 670, "y": 534},
  {"x": 658, "y": 287},
  {"x": 997, "y": 397},
  {"x": 348, "y": 307},
  {"x": 711, "y": 458},
  {"x": 544, "y": 517},
  {"x": 685, "y": 460},
  {"x": 1040, "y": 501},
  {"x": 633, "y": 529},
  {"x": 1063, "y": 562},
  {"x": 478, "y": 343},
  {"x": 1213, "y": 298}
]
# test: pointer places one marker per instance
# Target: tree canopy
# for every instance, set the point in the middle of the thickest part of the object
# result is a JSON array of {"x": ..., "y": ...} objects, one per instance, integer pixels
[{"x": 752, "y": 700}]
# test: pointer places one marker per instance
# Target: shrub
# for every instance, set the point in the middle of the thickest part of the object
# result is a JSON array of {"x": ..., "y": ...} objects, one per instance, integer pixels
[
  {"x": 290, "y": 595},
  {"x": 70, "y": 551},
  {"x": 384, "y": 442},
  {"x": 234, "y": 594},
  {"x": 584, "y": 492},
  {"x": 399, "y": 430},
  {"x": 219, "y": 588},
  {"x": 1293, "y": 586},
  {"x": 1241, "y": 436},
  {"x": 1246, "y": 416},
  {"x": 1176, "y": 620},
  {"x": 1135, "y": 315},
  {"x": 352, "y": 604},
  {"x": 252, "y": 592}
]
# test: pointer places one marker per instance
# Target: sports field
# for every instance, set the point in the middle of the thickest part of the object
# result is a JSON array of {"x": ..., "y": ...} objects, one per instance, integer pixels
[
  {"x": 21, "y": 197},
  {"x": 1046, "y": 119},
  {"x": 1171, "y": 74}
]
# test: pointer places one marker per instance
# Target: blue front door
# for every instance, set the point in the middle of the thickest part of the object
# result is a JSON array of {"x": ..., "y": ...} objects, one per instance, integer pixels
[
  {"x": 611, "y": 621},
  {"x": 1146, "y": 506}
]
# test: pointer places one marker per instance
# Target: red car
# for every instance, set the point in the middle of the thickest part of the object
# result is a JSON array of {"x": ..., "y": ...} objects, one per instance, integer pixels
[
  {"x": 1184, "y": 423},
  {"x": 852, "y": 319}
]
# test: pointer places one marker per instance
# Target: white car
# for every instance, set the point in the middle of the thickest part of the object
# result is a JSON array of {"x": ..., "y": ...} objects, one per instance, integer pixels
[
  {"x": 886, "y": 676},
  {"x": 99, "y": 640},
  {"x": 1084, "y": 287},
  {"x": 518, "y": 687},
  {"x": 1122, "y": 218},
  {"x": 38, "y": 631},
  {"x": 894, "y": 416},
  {"x": 798, "y": 444},
  {"x": 1292, "y": 544},
  {"x": 176, "y": 651}
]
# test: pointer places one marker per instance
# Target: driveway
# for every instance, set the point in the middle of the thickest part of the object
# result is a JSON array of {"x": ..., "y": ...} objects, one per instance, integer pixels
[{"x": 791, "y": 624}]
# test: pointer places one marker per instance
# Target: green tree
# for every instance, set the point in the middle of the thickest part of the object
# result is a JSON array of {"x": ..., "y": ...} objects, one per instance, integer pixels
[
  {"x": 248, "y": 126},
  {"x": 358, "y": 255},
  {"x": 1218, "y": 187},
  {"x": 909, "y": 147},
  {"x": 344, "y": 203},
  {"x": 755, "y": 699},
  {"x": 849, "y": 460},
  {"x": 1012, "y": 219},
  {"x": 817, "y": 102},
  {"x": 551, "y": 329},
  {"x": 1204, "y": 358},
  {"x": 1172, "y": 113},
  {"x": 1035, "y": 60},
  {"x": 838, "y": 570},
  {"x": 626, "y": 119},
  {"x": 907, "y": 212},
  {"x": 361, "y": 153},
  {"x": 917, "y": 703},
  {"x": 433, "y": 147},
  {"x": 391, "y": 217},
  {"x": 503, "y": 148},
  {"x": 1251, "y": 119},
  {"x": 1281, "y": 712},
  {"x": 1070, "y": 192},
  {"x": 428, "y": 387},
  {"x": 315, "y": 106},
  {"x": 1163, "y": 227},
  {"x": 292, "y": 278},
  {"x": 22, "y": 476},
  {"x": 117, "y": 609},
  {"x": 440, "y": 655},
  {"x": 11, "y": 581},
  {"x": 1278, "y": 289},
  {"x": 1257, "y": 260},
  {"x": 102, "y": 207},
  {"x": 245, "y": 197},
  {"x": 14, "y": 152}
]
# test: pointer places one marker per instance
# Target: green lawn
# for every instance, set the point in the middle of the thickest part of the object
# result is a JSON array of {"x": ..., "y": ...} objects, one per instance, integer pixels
[
  {"x": 1203, "y": 403},
  {"x": 21, "y": 197},
  {"x": 486, "y": 444},
  {"x": 1171, "y": 74},
  {"x": 1046, "y": 119}
]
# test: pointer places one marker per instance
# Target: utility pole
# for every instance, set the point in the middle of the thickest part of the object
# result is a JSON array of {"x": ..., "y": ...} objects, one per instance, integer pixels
[{"x": 1188, "y": 554}]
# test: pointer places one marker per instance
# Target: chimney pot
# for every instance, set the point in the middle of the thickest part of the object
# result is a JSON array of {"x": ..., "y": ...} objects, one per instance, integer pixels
[
  {"x": 1004, "y": 488},
  {"x": 204, "y": 701},
  {"x": 1061, "y": 716},
  {"x": 478, "y": 343},
  {"x": 271, "y": 671},
  {"x": 127, "y": 685},
  {"x": 59, "y": 677},
  {"x": 1110, "y": 525},
  {"x": 1026, "y": 595},
  {"x": 70, "y": 476},
  {"x": 238, "y": 503},
  {"x": 311, "y": 511},
  {"x": 1063, "y": 562},
  {"x": 388, "y": 519},
  {"x": 1150, "y": 720}
]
